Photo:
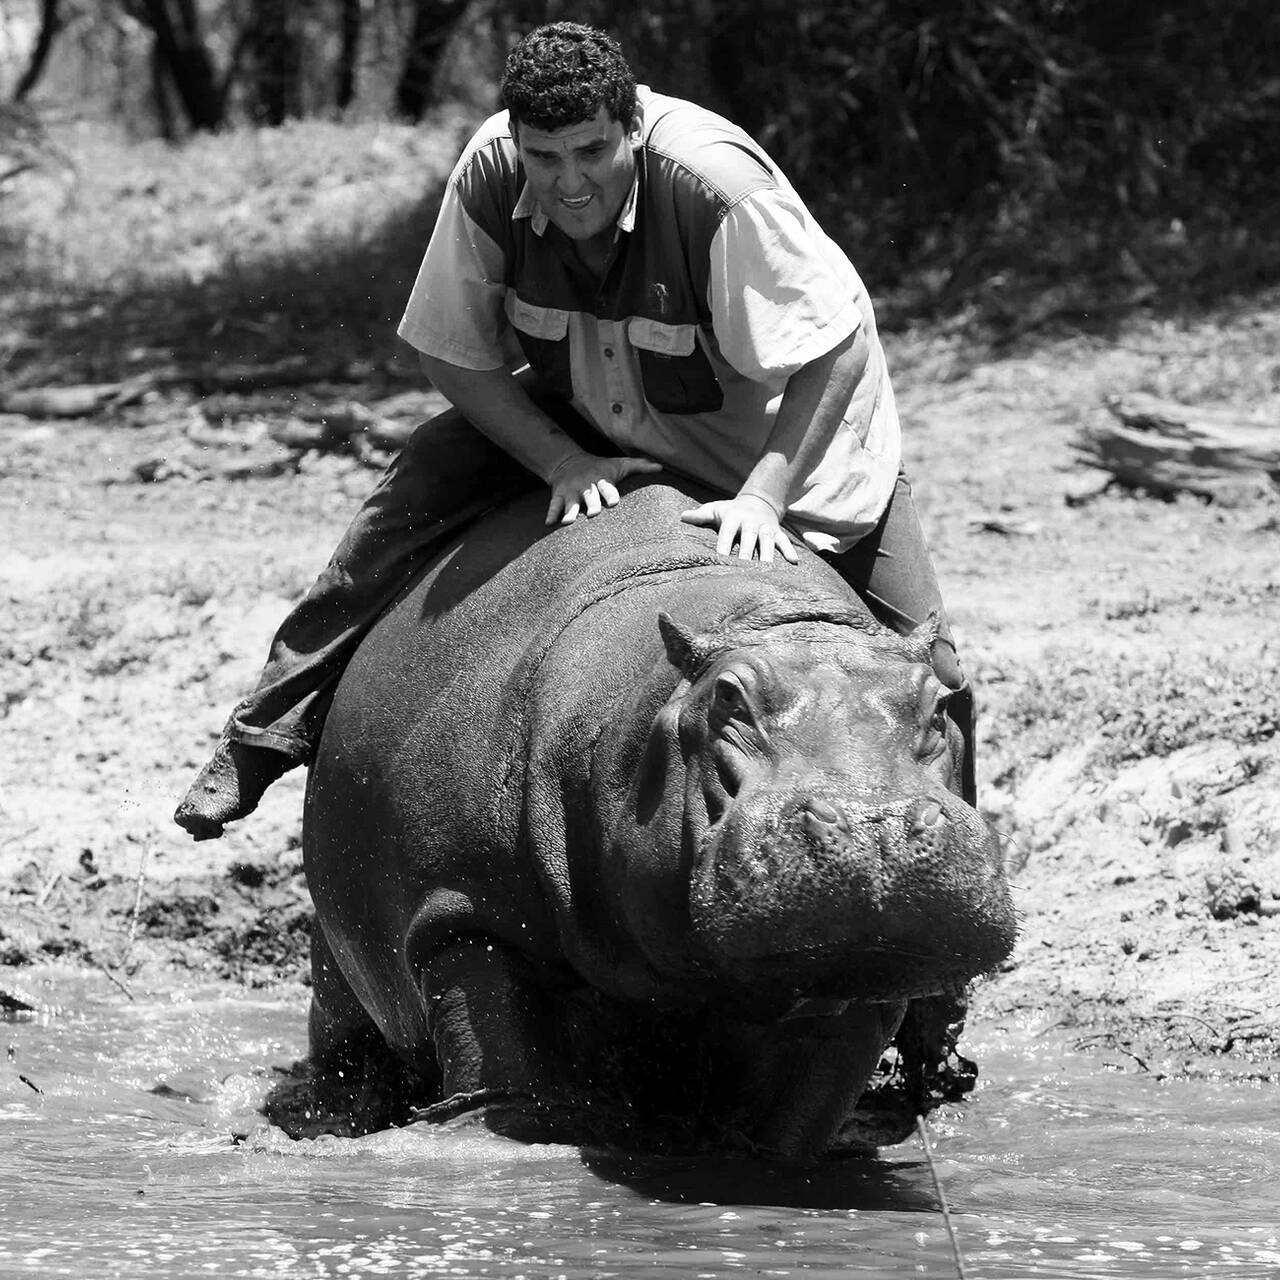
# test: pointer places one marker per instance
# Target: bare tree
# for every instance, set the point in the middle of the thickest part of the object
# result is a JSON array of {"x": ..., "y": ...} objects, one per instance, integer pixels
[
  {"x": 433, "y": 24},
  {"x": 50, "y": 24},
  {"x": 350, "y": 25},
  {"x": 181, "y": 50},
  {"x": 275, "y": 62}
]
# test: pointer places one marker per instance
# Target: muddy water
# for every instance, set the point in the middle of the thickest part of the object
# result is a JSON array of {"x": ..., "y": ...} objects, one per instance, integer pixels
[{"x": 142, "y": 1155}]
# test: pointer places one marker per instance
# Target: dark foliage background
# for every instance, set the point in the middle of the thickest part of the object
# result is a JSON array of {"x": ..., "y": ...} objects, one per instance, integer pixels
[{"x": 999, "y": 159}]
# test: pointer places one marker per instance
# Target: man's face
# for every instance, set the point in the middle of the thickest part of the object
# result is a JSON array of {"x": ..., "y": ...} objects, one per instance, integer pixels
[{"x": 581, "y": 175}]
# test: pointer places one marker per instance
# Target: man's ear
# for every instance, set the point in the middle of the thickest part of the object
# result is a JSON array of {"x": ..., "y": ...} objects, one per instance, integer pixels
[{"x": 635, "y": 131}]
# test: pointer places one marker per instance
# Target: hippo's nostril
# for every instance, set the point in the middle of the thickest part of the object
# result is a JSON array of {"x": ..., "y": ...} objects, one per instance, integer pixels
[
  {"x": 928, "y": 813},
  {"x": 823, "y": 811}
]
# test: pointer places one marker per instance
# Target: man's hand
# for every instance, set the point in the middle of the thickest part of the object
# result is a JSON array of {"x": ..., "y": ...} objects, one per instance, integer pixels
[
  {"x": 584, "y": 484},
  {"x": 749, "y": 521}
]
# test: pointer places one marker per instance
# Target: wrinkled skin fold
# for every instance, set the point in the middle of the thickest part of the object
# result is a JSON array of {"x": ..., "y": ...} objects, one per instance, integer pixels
[{"x": 604, "y": 824}]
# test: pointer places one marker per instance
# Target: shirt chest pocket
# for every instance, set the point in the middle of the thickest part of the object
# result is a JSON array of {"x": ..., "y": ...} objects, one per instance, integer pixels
[
  {"x": 674, "y": 368},
  {"x": 543, "y": 334}
]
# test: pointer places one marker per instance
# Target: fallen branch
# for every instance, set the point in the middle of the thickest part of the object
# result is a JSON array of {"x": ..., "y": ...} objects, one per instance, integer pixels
[
  {"x": 1169, "y": 448},
  {"x": 137, "y": 905},
  {"x": 334, "y": 426},
  {"x": 75, "y": 402},
  {"x": 86, "y": 399},
  {"x": 104, "y": 968},
  {"x": 292, "y": 371},
  {"x": 251, "y": 466}
]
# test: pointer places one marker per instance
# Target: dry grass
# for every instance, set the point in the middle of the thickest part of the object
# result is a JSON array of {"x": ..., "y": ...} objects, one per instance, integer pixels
[{"x": 251, "y": 243}]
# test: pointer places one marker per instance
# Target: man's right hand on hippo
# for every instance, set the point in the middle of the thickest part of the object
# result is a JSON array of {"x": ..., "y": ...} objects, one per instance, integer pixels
[
  {"x": 584, "y": 484},
  {"x": 749, "y": 522}
]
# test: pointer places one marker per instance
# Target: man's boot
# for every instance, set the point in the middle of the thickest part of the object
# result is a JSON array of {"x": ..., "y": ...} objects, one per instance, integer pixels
[{"x": 229, "y": 787}]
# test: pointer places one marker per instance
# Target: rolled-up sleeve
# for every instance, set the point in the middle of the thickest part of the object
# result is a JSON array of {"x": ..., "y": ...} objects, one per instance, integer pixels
[
  {"x": 781, "y": 293},
  {"x": 455, "y": 310}
]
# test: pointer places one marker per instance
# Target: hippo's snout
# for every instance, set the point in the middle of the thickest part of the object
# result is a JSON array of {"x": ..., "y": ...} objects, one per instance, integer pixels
[
  {"x": 911, "y": 830},
  {"x": 928, "y": 813},
  {"x": 823, "y": 821},
  {"x": 877, "y": 900}
]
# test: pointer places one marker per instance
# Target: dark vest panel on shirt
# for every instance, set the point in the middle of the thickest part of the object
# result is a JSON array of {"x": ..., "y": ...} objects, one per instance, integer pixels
[{"x": 692, "y": 168}]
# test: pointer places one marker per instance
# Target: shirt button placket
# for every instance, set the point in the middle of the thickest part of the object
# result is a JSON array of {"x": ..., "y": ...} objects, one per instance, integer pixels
[{"x": 612, "y": 374}]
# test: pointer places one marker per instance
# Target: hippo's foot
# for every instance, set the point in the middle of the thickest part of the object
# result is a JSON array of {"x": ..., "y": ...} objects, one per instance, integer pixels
[
  {"x": 310, "y": 1100},
  {"x": 229, "y": 787},
  {"x": 922, "y": 1071},
  {"x": 801, "y": 1080}
]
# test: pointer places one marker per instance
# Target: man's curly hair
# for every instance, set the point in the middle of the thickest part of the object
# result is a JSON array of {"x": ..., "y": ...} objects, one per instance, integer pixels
[{"x": 561, "y": 74}]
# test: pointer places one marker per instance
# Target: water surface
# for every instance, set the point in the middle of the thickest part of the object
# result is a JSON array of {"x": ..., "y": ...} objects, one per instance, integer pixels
[{"x": 143, "y": 1154}]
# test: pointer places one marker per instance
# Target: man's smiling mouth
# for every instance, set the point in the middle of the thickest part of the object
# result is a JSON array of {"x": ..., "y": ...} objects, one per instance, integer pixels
[{"x": 578, "y": 202}]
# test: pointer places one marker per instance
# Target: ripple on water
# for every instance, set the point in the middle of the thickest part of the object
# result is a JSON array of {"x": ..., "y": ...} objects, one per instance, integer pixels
[{"x": 144, "y": 1155}]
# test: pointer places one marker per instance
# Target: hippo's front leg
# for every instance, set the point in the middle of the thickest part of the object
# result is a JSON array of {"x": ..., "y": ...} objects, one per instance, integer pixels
[
  {"x": 494, "y": 1021},
  {"x": 804, "y": 1079}
]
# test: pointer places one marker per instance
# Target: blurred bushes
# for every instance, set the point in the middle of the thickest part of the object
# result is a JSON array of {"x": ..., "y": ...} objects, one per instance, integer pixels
[
  {"x": 921, "y": 131},
  {"x": 1000, "y": 160}
]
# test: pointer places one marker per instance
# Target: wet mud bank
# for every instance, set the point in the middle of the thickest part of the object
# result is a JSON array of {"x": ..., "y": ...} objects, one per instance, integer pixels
[{"x": 1123, "y": 648}]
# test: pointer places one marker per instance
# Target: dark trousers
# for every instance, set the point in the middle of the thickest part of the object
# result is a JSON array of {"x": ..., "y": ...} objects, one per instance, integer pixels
[{"x": 446, "y": 475}]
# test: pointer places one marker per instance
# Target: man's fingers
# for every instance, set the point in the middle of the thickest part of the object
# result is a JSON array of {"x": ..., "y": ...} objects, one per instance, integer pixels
[
  {"x": 571, "y": 512},
  {"x": 753, "y": 539},
  {"x": 608, "y": 494},
  {"x": 705, "y": 514},
  {"x": 591, "y": 501},
  {"x": 728, "y": 535}
]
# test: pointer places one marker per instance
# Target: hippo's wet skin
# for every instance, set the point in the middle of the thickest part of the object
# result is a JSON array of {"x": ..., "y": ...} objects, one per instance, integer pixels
[{"x": 600, "y": 813}]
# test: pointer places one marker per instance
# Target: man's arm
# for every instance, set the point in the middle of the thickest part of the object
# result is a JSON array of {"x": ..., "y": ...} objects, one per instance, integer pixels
[
  {"x": 809, "y": 414},
  {"x": 495, "y": 403}
]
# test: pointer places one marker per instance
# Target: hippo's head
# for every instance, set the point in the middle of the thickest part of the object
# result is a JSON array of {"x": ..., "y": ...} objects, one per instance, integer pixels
[{"x": 822, "y": 849}]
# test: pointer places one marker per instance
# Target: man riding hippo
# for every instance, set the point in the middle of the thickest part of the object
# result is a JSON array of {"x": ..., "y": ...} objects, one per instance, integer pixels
[{"x": 618, "y": 282}]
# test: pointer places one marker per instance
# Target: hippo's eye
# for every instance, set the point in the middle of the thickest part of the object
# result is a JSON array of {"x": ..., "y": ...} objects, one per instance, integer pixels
[
  {"x": 729, "y": 693},
  {"x": 730, "y": 699}
]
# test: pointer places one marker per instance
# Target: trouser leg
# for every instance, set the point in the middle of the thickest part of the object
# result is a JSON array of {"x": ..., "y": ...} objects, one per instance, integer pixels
[
  {"x": 891, "y": 569},
  {"x": 446, "y": 475}
]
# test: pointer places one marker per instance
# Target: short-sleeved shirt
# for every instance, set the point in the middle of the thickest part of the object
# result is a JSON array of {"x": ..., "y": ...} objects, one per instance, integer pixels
[{"x": 721, "y": 287}]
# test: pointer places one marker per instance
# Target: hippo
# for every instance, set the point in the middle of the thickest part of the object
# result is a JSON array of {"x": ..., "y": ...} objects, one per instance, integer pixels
[{"x": 604, "y": 823}]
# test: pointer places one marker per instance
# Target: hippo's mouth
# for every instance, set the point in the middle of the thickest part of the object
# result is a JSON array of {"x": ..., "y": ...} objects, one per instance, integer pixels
[
  {"x": 835, "y": 900},
  {"x": 834, "y": 974}
]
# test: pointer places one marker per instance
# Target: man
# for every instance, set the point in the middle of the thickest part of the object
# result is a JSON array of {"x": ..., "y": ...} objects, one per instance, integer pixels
[{"x": 668, "y": 302}]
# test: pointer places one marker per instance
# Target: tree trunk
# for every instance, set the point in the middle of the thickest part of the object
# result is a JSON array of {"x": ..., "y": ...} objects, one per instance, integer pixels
[
  {"x": 348, "y": 54},
  {"x": 433, "y": 24},
  {"x": 50, "y": 25},
  {"x": 181, "y": 48},
  {"x": 275, "y": 61},
  {"x": 160, "y": 93}
]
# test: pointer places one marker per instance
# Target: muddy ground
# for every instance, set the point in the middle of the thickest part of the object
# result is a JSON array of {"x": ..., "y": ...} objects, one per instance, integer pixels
[{"x": 1125, "y": 649}]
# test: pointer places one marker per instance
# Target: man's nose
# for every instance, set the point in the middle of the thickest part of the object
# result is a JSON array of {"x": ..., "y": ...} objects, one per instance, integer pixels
[{"x": 571, "y": 179}]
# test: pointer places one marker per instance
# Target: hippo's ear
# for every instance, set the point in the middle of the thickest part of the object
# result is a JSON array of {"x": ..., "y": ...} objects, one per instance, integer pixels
[{"x": 682, "y": 648}]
